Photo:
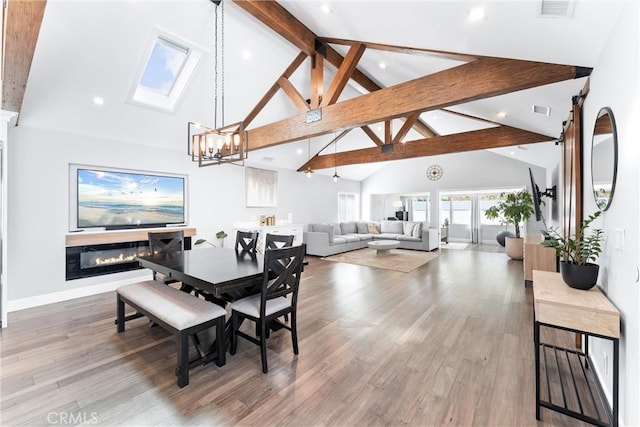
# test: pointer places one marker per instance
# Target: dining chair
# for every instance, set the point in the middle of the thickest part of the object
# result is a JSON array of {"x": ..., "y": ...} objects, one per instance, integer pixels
[
  {"x": 246, "y": 240},
  {"x": 165, "y": 242},
  {"x": 277, "y": 241},
  {"x": 278, "y": 296}
]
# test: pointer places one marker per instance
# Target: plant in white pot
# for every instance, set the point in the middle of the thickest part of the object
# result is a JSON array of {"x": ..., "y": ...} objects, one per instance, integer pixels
[
  {"x": 577, "y": 253},
  {"x": 514, "y": 208},
  {"x": 220, "y": 235}
]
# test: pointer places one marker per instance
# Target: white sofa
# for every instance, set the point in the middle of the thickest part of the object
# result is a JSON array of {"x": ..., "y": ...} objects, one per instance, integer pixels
[{"x": 330, "y": 239}]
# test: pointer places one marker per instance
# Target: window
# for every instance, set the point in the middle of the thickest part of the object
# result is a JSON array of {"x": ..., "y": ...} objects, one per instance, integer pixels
[
  {"x": 168, "y": 64},
  {"x": 163, "y": 67},
  {"x": 486, "y": 201},
  {"x": 419, "y": 208},
  {"x": 347, "y": 207}
]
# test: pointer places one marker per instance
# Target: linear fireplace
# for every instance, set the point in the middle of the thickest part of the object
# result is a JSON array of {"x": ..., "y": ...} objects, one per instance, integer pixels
[
  {"x": 104, "y": 252},
  {"x": 96, "y": 260}
]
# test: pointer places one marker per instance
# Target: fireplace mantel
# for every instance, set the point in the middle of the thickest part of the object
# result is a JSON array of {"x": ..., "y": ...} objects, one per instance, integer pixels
[{"x": 118, "y": 236}]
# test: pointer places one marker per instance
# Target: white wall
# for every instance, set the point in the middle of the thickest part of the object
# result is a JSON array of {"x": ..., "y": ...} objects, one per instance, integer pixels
[
  {"x": 38, "y": 206},
  {"x": 475, "y": 170},
  {"x": 615, "y": 83}
]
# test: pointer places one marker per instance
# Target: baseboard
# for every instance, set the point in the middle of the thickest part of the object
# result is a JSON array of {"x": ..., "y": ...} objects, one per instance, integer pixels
[{"x": 39, "y": 300}]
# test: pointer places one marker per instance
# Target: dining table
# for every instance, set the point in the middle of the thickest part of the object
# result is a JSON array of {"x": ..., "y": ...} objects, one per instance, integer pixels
[{"x": 225, "y": 274}]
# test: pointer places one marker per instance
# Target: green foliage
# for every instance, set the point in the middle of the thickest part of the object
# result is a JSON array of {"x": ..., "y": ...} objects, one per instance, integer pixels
[
  {"x": 221, "y": 234},
  {"x": 579, "y": 249},
  {"x": 514, "y": 208}
]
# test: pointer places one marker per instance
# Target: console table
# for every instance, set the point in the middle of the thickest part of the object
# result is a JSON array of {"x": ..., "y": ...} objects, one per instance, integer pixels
[
  {"x": 590, "y": 313},
  {"x": 537, "y": 257}
]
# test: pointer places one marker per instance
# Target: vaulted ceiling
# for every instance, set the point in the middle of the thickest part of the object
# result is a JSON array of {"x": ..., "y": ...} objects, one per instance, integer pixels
[{"x": 443, "y": 83}]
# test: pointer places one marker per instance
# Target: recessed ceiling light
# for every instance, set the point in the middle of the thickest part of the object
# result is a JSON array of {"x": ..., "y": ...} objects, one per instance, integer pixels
[
  {"x": 326, "y": 9},
  {"x": 380, "y": 128},
  {"x": 246, "y": 54},
  {"x": 513, "y": 153},
  {"x": 299, "y": 151},
  {"x": 98, "y": 100},
  {"x": 382, "y": 65},
  {"x": 501, "y": 115},
  {"x": 476, "y": 14}
]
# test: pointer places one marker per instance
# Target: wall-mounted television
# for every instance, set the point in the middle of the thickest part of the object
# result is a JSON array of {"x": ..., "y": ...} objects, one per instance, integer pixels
[
  {"x": 537, "y": 196},
  {"x": 117, "y": 198}
]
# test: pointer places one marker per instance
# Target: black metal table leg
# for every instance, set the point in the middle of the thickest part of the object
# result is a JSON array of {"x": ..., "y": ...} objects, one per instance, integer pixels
[{"x": 536, "y": 343}]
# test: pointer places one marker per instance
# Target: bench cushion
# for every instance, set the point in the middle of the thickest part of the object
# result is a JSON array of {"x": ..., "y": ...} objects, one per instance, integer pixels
[{"x": 179, "y": 309}]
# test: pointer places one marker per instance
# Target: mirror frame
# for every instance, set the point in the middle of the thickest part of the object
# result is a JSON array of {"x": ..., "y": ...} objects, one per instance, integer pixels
[{"x": 601, "y": 113}]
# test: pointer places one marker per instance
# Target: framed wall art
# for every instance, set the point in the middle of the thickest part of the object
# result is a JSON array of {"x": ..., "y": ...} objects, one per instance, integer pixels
[{"x": 261, "y": 188}]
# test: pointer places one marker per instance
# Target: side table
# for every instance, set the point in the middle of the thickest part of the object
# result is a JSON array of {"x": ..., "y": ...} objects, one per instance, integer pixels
[{"x": 590, "y": 313}]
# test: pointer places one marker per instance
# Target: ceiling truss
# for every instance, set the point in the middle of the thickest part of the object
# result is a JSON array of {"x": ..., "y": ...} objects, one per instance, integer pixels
[{"x": 479, "y": 77}]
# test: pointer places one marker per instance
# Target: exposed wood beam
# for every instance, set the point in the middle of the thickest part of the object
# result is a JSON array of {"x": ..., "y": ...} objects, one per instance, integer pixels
[
  {"x": 343, "y": 75},
  {"x": 424, "y": 129},
  {"x": 22, "y": 21},
  {"x": 276, "y": 17},
  {"x": 274, "y": 89},
  {"x": 502, "y": 136},
  {"x": 371, "y": 134},
  {"x": 469, "y": 116},
  {"x": 401, "y": 49},
  {"x": 407, "y": 125},
  {"x": 317, "y": 80},
  {"x": 388, "y": 131},
  {"x": 480, "y": 79},
  {"x": 280, "y": 20},
  {"x": 293, "y": 94}
]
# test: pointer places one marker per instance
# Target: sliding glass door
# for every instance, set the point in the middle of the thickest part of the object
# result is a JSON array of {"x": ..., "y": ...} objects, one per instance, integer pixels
[{"x": 465, "y": 213}]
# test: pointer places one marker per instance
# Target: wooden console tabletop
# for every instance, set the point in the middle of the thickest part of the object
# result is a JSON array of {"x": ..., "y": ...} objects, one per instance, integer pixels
[
  {"x": 590, "y": 313},
  {"x": 558, "y": 304},
  {"x": 116, "y": 236}
]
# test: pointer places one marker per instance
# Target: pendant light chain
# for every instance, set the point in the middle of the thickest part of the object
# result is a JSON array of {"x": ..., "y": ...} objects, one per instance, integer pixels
[
  {"x": 222, "y": 63},
  {"x": 215, "y": 71}
]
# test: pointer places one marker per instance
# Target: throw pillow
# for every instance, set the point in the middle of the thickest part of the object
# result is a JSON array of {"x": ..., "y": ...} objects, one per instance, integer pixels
[
  {"x": 362, "y": 228},
  {"x": 407, "y": 228},
  {"x": 417, "y": 230},
  {"x": 373, "y": 229},
  {"x": 325, "y": 228},
  {"x": 348, "y": 227},
  {"x": 391, "y": 227},
  {"x": 336, "y": 229}
]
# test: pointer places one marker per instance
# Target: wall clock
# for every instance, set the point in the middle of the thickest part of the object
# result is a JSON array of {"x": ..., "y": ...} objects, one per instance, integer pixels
[{"x": 434, "y": 172}]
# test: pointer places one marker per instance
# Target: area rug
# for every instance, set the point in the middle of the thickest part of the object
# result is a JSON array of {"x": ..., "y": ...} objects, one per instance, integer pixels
[
  {"x": 397, "y": 259},
  {"x": 454, "y": 245}
]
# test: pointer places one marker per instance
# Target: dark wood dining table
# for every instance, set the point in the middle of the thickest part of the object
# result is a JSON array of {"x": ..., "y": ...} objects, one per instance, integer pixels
[{"x": 223, "y": 273}]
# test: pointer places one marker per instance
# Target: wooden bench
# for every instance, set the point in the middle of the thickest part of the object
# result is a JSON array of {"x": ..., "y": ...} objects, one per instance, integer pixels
[{"x": 180, "y": 313}]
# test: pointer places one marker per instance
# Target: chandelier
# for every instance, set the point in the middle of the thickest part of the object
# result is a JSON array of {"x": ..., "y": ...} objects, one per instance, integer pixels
[{"x": 217, "y": 145}]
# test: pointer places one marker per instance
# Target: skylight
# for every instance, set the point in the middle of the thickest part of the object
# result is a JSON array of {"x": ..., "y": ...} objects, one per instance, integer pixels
[
  {"x": 165, "y": 71},
  {"x": 164, "y": 66}
]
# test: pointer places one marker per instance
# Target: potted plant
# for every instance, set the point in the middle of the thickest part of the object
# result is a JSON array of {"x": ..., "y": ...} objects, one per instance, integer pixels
[
  {"x": 220, "y": 235},
  {"x": 577, "y": 253},
  {"x": 514, "y": 208}
]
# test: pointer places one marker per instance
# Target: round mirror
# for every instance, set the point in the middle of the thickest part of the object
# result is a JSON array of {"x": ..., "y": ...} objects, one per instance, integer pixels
[{"x": 604, "y": 158}]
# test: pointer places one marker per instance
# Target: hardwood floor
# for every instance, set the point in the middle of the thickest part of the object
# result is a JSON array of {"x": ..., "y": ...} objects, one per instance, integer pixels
[{"x": 449, "y": 343}]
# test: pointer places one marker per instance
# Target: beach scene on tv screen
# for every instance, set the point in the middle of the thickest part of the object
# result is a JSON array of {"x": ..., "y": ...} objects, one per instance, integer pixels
[{"x": 121, "y": 199}]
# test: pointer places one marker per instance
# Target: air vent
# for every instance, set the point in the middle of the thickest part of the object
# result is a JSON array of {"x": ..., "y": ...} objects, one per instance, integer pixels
[
  {"x": 556, "y": 8},
  {"x": 539, "y": 109},
  {"x": 268, "y": 159}
]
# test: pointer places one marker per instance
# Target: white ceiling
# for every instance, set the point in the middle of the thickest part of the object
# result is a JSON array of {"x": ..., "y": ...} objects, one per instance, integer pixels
[{"x": 94, "y": 48}]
